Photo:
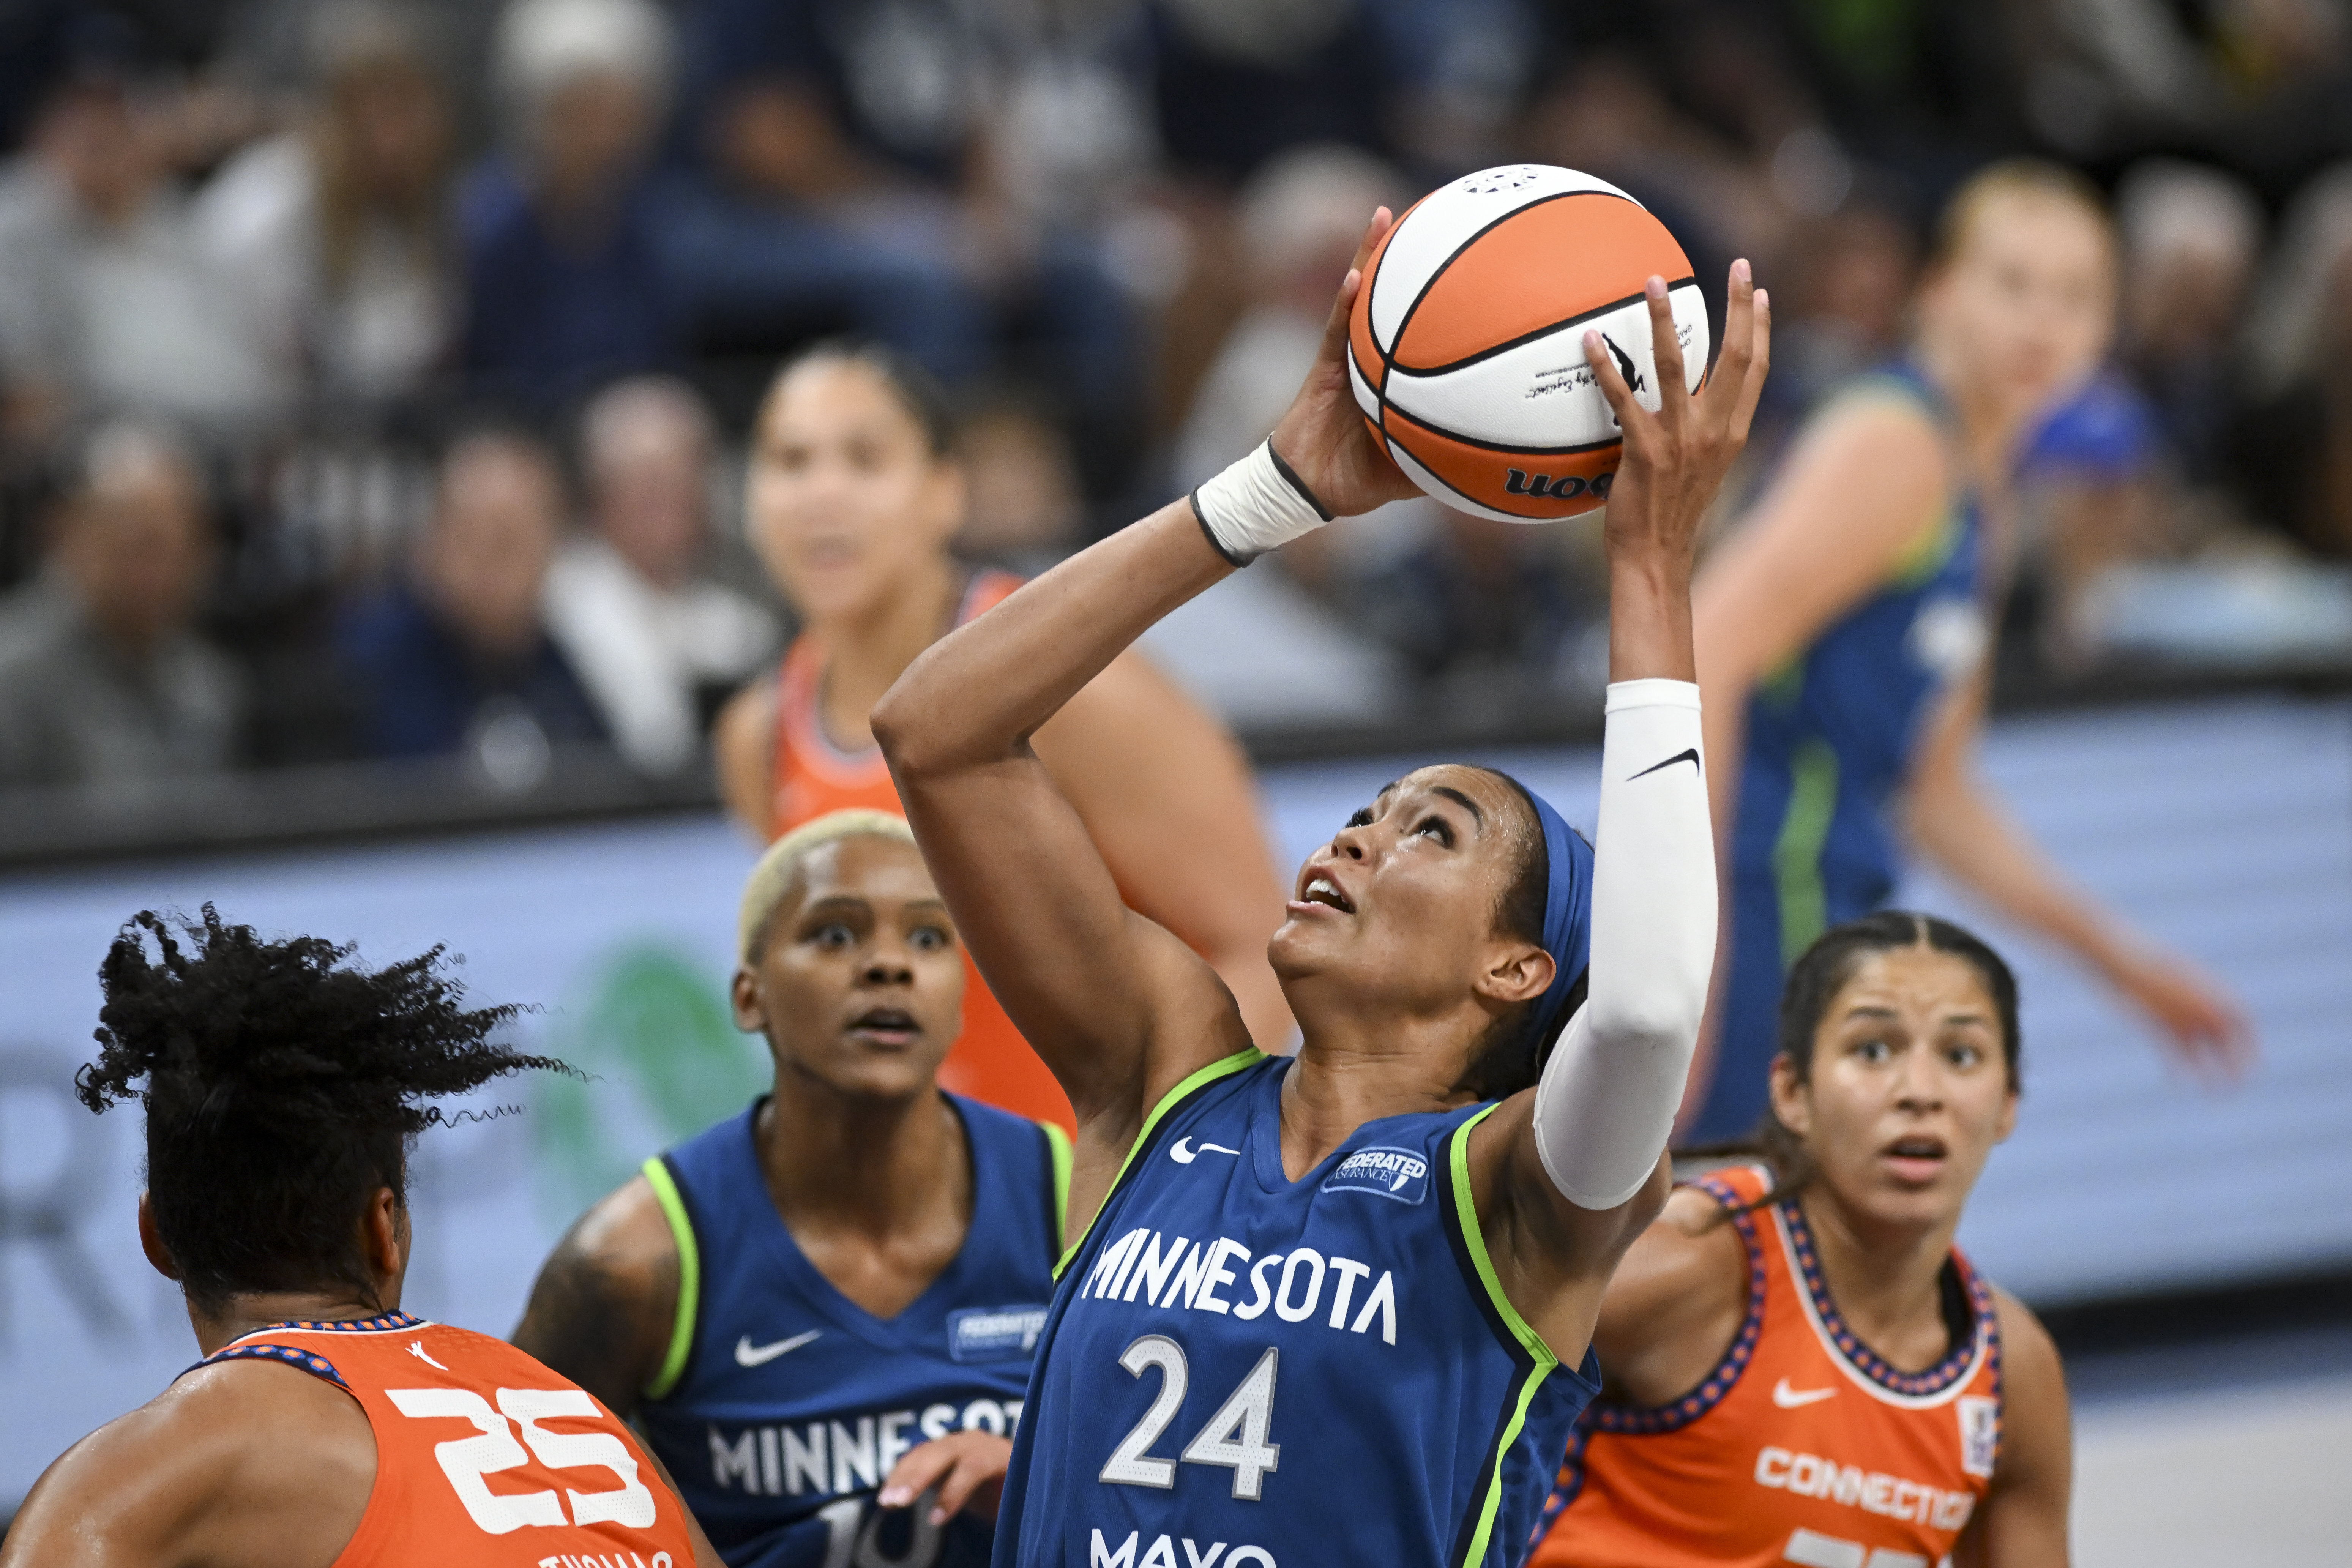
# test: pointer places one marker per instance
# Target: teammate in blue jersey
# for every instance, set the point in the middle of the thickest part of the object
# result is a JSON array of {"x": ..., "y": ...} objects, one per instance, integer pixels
[
  {"x": 855, "y": 1270},
  {"x": 1336, "y": 1308},
  {"x": 1844, "y": 632}
]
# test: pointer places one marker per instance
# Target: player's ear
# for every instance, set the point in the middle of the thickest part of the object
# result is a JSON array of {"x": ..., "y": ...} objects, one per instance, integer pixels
[
  {"x": 743, "y": 995},
  {"x": 383, "y": 1242},
  {"x": 150, "y": 1242},
  {"x": 1521, "y": 972},
  {"x": 1790, "y": 1103}
]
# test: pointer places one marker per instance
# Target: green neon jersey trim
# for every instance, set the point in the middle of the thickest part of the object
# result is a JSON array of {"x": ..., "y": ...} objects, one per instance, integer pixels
[
  {"x": 1057, "y": 1149},
  {"x": 1474, "y": 1241},
  {"x": 1796, "y": 852},
  {"x": 690, "y": 1277},
  {"x": 1226, "y": 1067}
]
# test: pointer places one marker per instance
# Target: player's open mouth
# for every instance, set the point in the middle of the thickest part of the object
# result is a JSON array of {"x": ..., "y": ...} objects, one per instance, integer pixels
[
  {"x": 893, "y": 1026},
  {"x": 1323, "y": 891},
  {"x": 1915, "y": 1157}
]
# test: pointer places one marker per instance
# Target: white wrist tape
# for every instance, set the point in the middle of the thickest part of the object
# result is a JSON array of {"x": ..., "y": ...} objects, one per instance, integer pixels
[
  {"x": 1256, "y": 505},
  {"x": 1606, "y": 1102}
]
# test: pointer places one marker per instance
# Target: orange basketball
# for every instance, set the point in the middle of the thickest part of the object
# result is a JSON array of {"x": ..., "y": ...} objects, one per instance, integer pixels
[{"x": 1468, "y": 337}]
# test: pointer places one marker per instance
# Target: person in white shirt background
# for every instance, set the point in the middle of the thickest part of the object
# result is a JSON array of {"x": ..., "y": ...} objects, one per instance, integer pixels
[{"x": 630, "y": 601}]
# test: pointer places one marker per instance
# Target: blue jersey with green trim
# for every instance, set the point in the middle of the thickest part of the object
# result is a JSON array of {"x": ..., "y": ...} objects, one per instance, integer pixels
[
  {"x": 785, "y": 1403},
  {"x": 1241, "y": 1370},
  {"x": 1829, "y": 741},
  {"x": 1830, "y": 737}
]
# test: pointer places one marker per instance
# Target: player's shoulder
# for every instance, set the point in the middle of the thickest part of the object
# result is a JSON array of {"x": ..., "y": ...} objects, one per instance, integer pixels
[
  {"x": 212, "y": 1444},
  {"x": 1882, "y": 417},
  {"x": 626, "y": 1238},
  {"x": 2031, "y": 1364}
]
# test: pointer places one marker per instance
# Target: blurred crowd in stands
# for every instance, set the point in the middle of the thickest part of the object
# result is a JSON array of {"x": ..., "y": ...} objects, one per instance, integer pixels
[{"x": 373, "y": 377}]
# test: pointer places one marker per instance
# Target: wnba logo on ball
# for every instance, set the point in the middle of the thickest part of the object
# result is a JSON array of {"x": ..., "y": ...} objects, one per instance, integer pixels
[{"x": 1567, "y": 487}]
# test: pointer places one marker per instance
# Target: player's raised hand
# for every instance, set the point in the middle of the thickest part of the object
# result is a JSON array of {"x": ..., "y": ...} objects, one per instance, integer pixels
[
  {"x": 1322, "y": 435},
  {"x": 1675, "y": 459}
]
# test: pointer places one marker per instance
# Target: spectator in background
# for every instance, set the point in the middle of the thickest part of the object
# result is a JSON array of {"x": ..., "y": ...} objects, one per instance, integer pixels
[
  {"x": 108, "y": 304},
  {"x": 567, "y": 280},
  {"x": 2191, "y": 237},
  {"x": 966, "y": 153},
  {"x": 457, "y": 660},
  {"x": 103, "y": 678},
  {"x": 657, "y": 643},
  {"x": 2293, "y": 449},
  {"x": 1022, "y": 508},
  {"x": 336, "y": 232}
]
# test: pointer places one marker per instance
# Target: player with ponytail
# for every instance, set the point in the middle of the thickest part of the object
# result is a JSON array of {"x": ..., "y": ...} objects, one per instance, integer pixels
[{"x": 1802, "y": 1368}]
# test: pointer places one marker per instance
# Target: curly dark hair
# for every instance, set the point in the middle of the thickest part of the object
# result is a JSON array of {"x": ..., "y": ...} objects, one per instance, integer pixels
[{"x": 281, "y": 1089}]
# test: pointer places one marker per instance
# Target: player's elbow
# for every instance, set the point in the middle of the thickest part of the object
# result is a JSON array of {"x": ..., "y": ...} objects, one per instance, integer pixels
[
  {"x": 1660, "y": 1018},
  {"x": 907, "y": 728}
]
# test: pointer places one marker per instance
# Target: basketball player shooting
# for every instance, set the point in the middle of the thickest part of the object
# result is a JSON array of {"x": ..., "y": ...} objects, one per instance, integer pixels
[{"x": 1338, "y": 1309}]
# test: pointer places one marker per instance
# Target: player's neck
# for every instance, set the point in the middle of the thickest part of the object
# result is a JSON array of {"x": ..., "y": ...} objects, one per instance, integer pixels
[
  {"x": 261, "y": 1309},
  {"x": 866, "y": 654},
  {"x": 1353, "y": 1070},
  {"x": 1887, "y": 1280},
  {"x": 855, "y": 1162}
]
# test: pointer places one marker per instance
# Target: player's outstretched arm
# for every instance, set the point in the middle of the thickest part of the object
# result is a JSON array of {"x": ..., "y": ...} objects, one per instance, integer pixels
[
  {"x": 605, "y": 1301},
  {"x": 247, "y": 1462},
  {"x": 1567, "y": 1174},
  {"x": 1118, "y": 1008}
]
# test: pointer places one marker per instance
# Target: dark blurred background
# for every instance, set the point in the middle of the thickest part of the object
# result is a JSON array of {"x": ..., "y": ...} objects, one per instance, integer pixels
[{"x": 348, "y": 348}]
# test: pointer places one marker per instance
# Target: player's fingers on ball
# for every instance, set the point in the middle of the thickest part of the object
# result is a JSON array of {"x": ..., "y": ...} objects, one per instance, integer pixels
[
  {"x": 1335, "y": 330},
  {"x": 1666, "y": 354},
  {"x": 1379, "y": 226},
  {"x": 1613, "y": 385}
]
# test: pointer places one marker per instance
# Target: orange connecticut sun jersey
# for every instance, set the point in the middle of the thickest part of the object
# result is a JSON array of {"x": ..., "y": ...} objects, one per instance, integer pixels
[
  {"x": 1801, "y": 1446},
  {"x": 484, "y": 1457}
]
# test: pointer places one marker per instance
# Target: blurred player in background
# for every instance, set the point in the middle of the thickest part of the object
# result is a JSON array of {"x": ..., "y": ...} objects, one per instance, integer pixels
[
  {"x": 1802, "y": 1366},
  {"x": 854, "y": 1268},
  {"x": 853, "y": 499},
  {"x": 324, "y": 1424},
  {"x": 1844, "y": 633}
]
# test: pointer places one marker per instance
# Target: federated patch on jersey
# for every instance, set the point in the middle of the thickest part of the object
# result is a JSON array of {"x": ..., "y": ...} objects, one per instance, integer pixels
[
  {"x": 994, "y": 1334},
  {"x": 1398, "y": 1174}
]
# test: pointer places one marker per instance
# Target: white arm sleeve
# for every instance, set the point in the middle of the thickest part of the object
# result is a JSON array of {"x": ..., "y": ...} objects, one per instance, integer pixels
[{"x": 1607, "y": 1100}]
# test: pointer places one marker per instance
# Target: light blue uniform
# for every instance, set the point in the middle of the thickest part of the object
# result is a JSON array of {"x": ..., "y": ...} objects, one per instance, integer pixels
[
  {"x": 1829, "y": 741},
  {"x": 783, "y": 1404},
  {"x": 1241, "y": 1370}
]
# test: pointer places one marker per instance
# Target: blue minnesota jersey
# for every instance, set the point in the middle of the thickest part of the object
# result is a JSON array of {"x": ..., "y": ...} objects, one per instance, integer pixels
[
  {"x": 1241, "y": 1370},
  {"x": 783, "y": 1404},
  {"x": 1829, "y": 742}
]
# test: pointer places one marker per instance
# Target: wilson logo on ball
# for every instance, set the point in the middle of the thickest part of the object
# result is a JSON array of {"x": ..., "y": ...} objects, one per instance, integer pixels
[{"x": 1466, "y": 338}]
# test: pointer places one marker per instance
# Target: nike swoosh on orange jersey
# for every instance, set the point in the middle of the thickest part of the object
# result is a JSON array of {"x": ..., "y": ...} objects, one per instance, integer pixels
[{"x": 1788, "y": 1398}]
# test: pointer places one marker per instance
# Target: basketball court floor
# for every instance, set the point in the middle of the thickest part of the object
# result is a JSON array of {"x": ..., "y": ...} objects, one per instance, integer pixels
[{"x": 2233, "y": 1453}]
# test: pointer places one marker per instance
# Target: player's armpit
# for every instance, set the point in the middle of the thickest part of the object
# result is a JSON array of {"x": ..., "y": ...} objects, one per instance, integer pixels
[
  {"x": 1552, "y": 1259},
  {"x": 601, "y": 1311},
  {"x": 247, "y": 1462}
]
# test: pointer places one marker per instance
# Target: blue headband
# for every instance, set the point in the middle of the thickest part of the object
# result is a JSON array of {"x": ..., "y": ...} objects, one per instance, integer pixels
[{"x": 1567, "y": 914}]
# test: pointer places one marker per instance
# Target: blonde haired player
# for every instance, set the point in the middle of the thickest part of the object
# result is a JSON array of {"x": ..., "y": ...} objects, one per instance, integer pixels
[
  {"x": 1842, "y": 634},
  {"x": 851, "y": 1271}
]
